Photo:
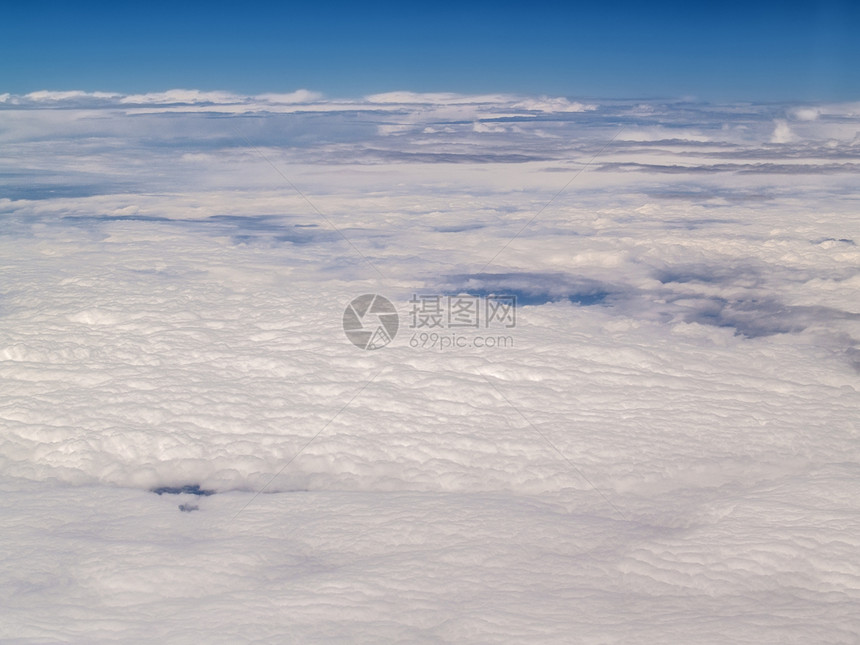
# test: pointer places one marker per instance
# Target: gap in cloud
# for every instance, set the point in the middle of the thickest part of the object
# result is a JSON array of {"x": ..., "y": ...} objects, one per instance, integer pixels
[
  {"x": 531, "y": 288},
  {"x": 709, "y": 274},
  {"x": 753, "y": 317}
]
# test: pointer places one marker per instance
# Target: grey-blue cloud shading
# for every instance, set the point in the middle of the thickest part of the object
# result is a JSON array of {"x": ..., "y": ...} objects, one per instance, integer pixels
[
  {"x": 531, "y": 288},
  {"x": 186, "y": 489},
  {"x": 241, "y": 229}
]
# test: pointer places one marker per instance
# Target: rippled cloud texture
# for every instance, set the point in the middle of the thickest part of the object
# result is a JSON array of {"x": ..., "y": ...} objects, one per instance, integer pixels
[{"x": 665, "y": 449}]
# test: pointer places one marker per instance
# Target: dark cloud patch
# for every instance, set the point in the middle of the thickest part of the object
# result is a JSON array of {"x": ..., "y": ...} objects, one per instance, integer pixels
[
  {"x": 266, "y": 229},
  {"x": 743, "y": 169},
  {"x": 706, "y": 194},
  {"x": 643, "y": 146},
  {"x": 841, "y": 240},
  {"x": 249, "y": 229},
  {"x": 187, "y": 489},
  {"x": 814, "y": 150},
  {"x": 756, "y": 317},
  {"x": 853, "y": 355},
  {"x": 449, "y": 157},
  {"x": 799, "y": 169},
  {"x": 532, "y": 288},
  {"x": 695, "y": 223},
  {"x": 16, "y": 225},
  {"x": 43, "y": 191},
  {"x": 79, "y": 219},
  {"x": 458, "y": 228},
  {"x": 710, "y": 274},
  {"x": 749, "y": 318}
]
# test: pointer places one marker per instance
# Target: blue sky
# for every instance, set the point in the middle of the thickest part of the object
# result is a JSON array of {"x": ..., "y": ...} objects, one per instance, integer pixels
[{"x": 708, "y": 50}]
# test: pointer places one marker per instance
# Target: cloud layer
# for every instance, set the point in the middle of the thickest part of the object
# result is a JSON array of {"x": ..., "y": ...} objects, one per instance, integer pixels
[{"x": 665, "y": 448}]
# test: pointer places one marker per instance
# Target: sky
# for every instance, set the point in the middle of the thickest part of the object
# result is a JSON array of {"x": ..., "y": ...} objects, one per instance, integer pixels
[{"x": 764, "y": 51}]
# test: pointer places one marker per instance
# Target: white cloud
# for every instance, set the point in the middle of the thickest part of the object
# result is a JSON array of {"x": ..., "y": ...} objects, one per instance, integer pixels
[
  {"x": 48, "y": 96},
  {"x": 548, "y": 104},
  {"x": 394, "y": 128},
  {"x": 183, "y": 96},
  {"x": 299, "y": 96},
  {"x": 434, "y": 98},
  {"x": 782, "y": 132},
  {"x": 487, "y": 128},
  {"x": 660, "y": 133},
  {"x": 512, "y": 102},
  {"x": 670, "y": 441},
  {"x": 193, "y": 97},
  {"x": 806, "y": 113}
]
